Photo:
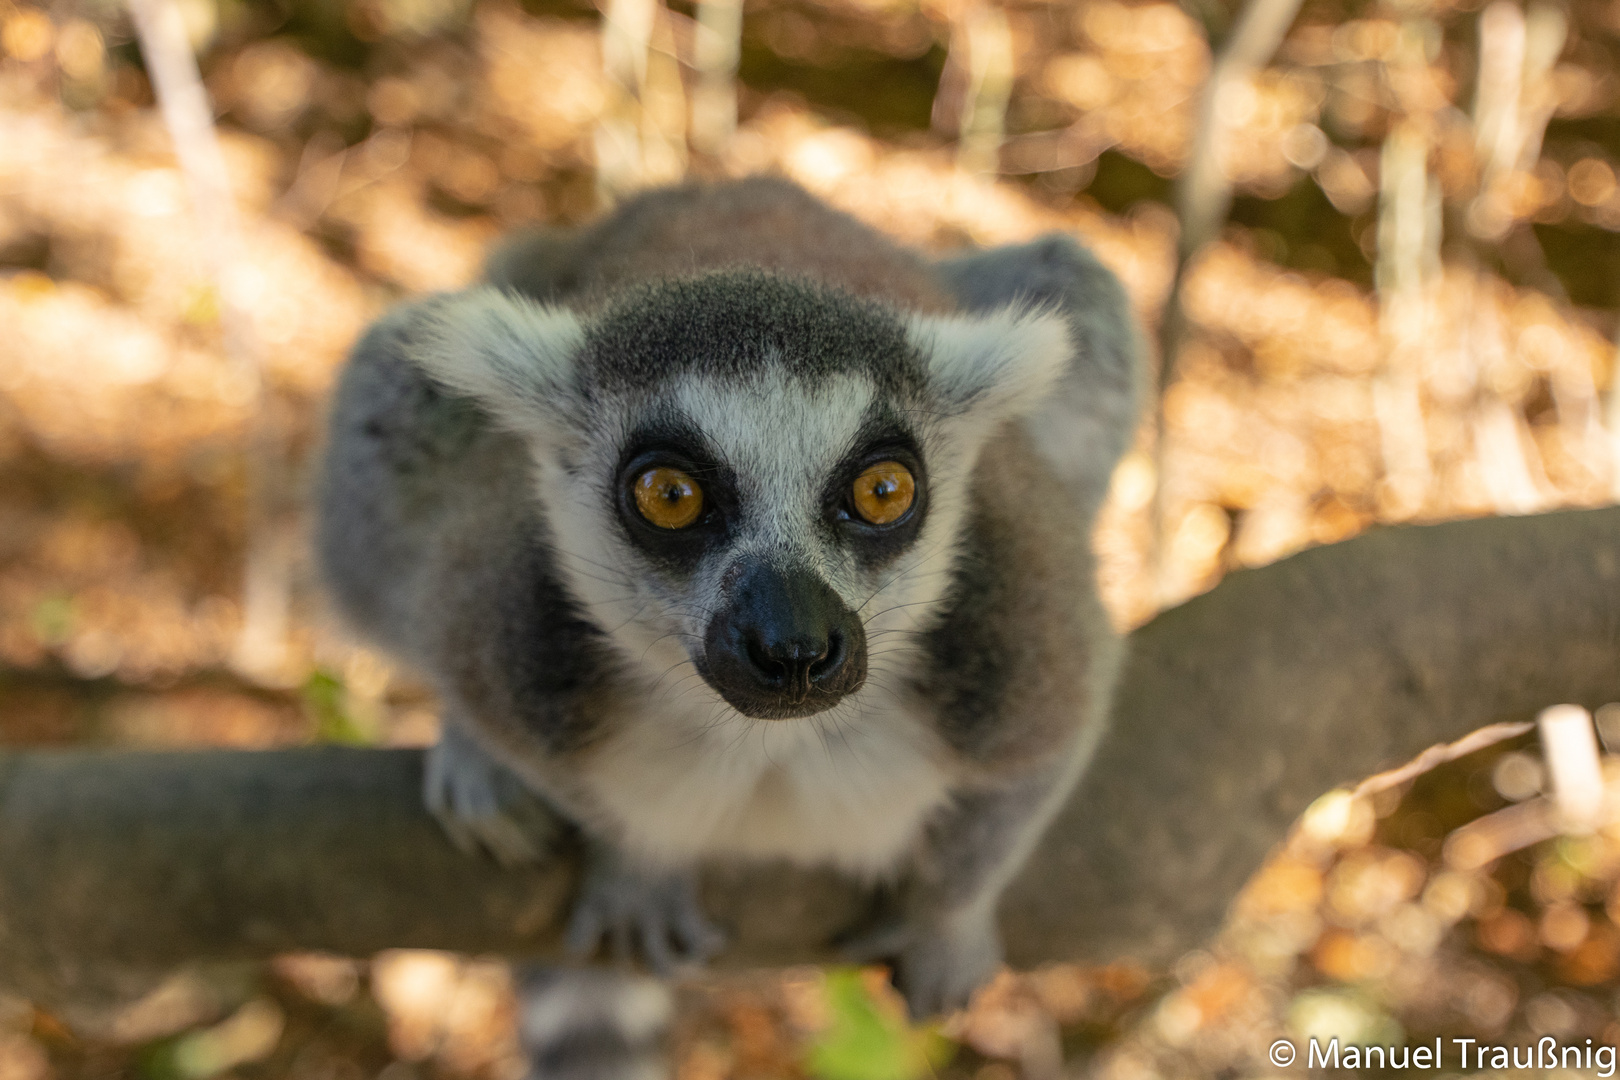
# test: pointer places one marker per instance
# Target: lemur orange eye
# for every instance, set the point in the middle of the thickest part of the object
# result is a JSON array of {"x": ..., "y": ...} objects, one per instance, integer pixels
[
  {"x": 668, "y": 498},
  {"x": 884, "y": 492}
]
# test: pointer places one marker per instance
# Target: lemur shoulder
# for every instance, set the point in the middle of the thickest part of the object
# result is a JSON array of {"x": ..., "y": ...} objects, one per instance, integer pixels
[{"x": 734, "y": 529}]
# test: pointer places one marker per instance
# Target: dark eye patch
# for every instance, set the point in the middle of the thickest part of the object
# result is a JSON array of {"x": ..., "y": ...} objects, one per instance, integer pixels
[
  {"x": 881, "y": 439},
  {"x": 677, "y": 446}
]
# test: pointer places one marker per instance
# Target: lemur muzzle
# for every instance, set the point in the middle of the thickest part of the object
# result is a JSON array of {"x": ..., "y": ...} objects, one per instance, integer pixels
[{"x": 784, "y": 645}]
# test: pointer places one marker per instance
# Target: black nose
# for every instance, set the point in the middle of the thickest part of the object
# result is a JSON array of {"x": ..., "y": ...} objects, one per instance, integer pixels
[
  {"x": 783, "y": 643},
  {"x": 797, "y": 665}
]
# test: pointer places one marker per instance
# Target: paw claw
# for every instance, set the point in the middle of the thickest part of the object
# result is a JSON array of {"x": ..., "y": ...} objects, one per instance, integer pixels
[
  {"x": 700, "y": 938},
  {"x": 655, "y": 946},
  {"x": 480, "y": 806},
  {"x": 653, "y": 915},
  {"x": 936, "y": 968}
]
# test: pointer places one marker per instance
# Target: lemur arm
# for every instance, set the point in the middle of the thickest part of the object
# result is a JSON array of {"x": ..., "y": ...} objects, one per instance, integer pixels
[
  {"x": 940, "y": 926},
  {"x": 635, "y": 909}
]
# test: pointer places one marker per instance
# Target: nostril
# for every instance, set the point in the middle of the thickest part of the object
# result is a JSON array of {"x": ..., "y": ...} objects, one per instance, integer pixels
[
  {"x": 764, "y": 662},
  {"x": 831, "y": 659},
  {"x": 794, "y": 667}
]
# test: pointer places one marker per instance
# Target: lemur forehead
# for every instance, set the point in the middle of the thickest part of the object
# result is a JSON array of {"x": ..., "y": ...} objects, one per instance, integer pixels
[
  {"x": 736, "y": 324},
  {"x": 776, "y": 422}
]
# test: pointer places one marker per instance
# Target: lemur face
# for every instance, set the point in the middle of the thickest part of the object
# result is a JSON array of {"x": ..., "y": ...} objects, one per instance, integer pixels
[
  {"x": 753, "y": 485},
  {"x": 774, "y": 518}
]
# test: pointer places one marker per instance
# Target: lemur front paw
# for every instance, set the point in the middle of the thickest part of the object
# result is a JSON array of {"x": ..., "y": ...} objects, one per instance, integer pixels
[
  {"x": 651, "y": 912},
  {"x": 937, "y": 964},
  {"x": 481, "y": 805}
]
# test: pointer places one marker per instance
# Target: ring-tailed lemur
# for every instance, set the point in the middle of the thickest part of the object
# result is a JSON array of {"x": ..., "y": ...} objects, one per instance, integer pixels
[{"x": 735, "y": 530}]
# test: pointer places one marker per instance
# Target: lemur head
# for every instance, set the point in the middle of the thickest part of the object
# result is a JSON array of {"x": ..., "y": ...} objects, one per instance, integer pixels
[{"x": 757, "y": 476}]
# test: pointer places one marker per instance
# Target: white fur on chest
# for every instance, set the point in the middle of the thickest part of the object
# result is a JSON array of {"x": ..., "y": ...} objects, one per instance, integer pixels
[{"x": 850, "y": 788}]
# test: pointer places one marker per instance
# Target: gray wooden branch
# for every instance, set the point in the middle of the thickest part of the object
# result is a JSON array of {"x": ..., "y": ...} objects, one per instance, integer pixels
[{"x": 1236, "y": 710}]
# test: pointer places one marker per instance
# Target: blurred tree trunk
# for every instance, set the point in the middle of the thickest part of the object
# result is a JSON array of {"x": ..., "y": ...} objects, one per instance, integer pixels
[
  {"x": 188, "y": 115},
  {"x": 1514, "y": 99},
  {"x": 976, "y": 86},
  {"x": 641, "y": 133},
  {"x": 716, "y": 51},
  {"x": 1203, "y": 200},
  {"x": 1234, "y": 711}
]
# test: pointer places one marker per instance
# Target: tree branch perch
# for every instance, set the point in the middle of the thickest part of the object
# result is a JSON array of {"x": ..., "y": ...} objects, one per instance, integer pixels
[{"x": 1235, "y": 710}]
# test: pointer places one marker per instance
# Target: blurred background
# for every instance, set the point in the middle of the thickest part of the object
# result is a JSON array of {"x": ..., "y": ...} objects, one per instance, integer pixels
[{"x": 1380, "y": 241}]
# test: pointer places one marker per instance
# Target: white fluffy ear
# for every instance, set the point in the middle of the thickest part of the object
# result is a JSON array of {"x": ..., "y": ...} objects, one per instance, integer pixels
[
  {"x": 513, "y": 356},
  {"x": 995, "y": 365}
]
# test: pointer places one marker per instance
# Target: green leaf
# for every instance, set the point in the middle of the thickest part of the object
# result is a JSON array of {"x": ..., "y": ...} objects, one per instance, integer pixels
[
  {"x": 324, "y": 699},
  {"x": 864, "y": 1041}
]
